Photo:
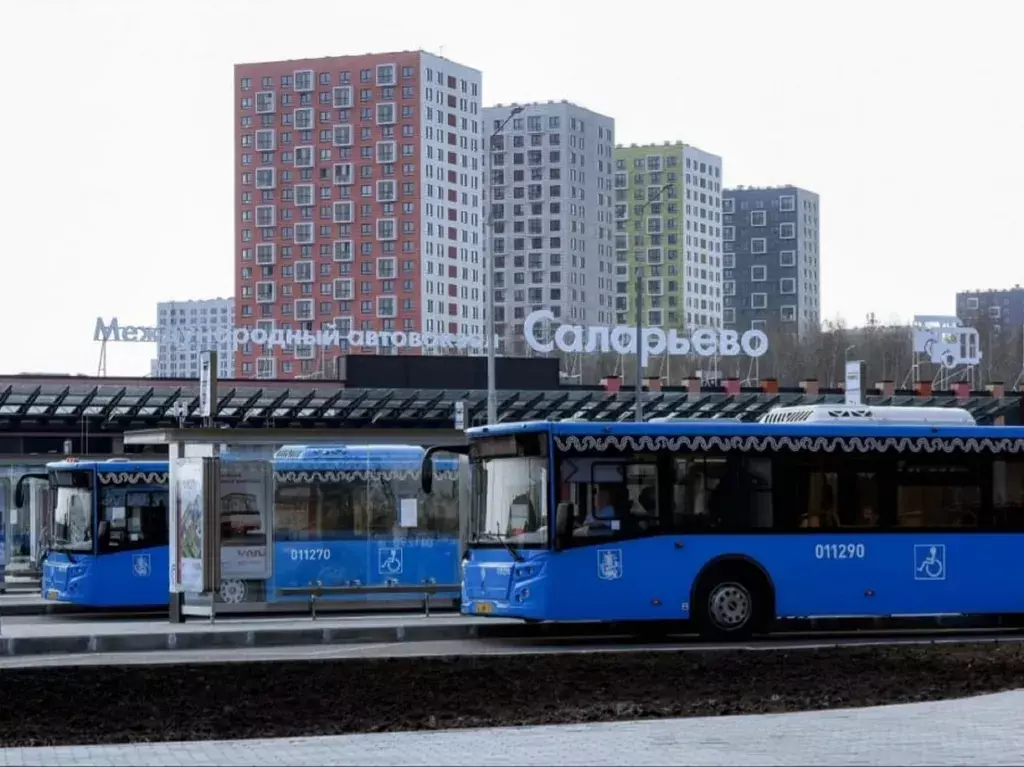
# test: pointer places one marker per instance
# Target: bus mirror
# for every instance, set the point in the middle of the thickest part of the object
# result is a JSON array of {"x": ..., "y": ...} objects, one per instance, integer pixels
[
  {"x": 19, "y": 489},
  {"x": 427, "y": 473}
]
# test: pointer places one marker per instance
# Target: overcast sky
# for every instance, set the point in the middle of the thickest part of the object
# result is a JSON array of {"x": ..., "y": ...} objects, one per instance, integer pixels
[{"x": 905, "y": 117}]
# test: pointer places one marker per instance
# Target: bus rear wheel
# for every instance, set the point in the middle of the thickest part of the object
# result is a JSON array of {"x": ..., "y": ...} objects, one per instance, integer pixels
[{"x": 731, "y": 604}]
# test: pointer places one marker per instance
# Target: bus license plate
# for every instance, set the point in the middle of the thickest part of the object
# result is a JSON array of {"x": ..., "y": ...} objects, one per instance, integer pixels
[
  {"x": 483, "y": 608},
  {"x": 52, "y": 594}
]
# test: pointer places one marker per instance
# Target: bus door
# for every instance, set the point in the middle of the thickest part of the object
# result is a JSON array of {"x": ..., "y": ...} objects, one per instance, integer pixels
[{"x": 606, "y": 563}]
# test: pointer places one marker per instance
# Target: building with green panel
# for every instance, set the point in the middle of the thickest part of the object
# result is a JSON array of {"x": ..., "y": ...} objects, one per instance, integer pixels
[{"x": 668, "y": 223}]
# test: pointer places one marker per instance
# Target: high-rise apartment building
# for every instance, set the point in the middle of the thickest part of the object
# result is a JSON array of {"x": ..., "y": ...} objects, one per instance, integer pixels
[
  {"x": 550, "y": 196},
  {"x": 185, "y": 329},
  {"x": 772, "y": 273},
  {"x": 668, "y": 223},
  {"x": 359, "y": 203}
]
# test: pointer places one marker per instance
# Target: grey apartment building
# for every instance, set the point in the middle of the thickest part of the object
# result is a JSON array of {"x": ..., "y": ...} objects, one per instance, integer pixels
[
  {"x": 771, "y": 265},
  {"x": 550, "y": 213},
  {"x": 1001, "y": 308}
]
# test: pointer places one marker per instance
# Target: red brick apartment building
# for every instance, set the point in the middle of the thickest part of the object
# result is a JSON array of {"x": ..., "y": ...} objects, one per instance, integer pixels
[{"x": 358, "y": 204}]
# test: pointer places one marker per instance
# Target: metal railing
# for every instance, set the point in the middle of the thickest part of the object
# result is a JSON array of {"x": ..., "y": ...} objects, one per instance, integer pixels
[{"x": 318, "y": 590}]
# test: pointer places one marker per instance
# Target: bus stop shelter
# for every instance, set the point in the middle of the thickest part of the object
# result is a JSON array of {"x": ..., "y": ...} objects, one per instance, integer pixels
[{"x": 204, "y": 489}]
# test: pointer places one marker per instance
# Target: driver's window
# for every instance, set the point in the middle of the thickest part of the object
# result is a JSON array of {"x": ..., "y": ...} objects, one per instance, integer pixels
[{"x": 611, "y": 498}]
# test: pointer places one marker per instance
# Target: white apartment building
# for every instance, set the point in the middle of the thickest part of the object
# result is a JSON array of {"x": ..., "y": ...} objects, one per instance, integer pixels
[
  {"x": 188, "y": 328},
  {"x": 668, "y": 220},
  {"x": 551, "y": 215}
]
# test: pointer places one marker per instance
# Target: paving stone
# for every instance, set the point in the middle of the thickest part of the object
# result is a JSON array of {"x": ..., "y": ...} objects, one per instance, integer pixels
[{"x": 960, "y": 732}]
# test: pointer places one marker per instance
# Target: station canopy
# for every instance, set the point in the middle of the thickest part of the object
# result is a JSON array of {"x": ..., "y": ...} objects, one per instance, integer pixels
[{"x": 39, "y": 404}]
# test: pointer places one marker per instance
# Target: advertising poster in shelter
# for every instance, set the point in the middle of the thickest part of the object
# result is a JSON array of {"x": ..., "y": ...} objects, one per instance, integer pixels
[
  {"x": 246, "y": 500},
  {"x": 189, "y": 498}
]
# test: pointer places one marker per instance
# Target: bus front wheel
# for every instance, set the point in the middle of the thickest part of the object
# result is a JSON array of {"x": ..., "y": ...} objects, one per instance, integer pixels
[{"x": 732, "y": 603}]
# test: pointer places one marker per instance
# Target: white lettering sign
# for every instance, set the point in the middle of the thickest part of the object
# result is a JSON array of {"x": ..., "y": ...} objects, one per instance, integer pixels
[
  {"x": 114, "y": 331},
  {"x": 703, "y": 342}
]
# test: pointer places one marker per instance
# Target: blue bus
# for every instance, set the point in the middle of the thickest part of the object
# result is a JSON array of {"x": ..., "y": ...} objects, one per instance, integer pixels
[
  {"x": 338, "y": 520},
  {"x": 835, "y": 512},
  {"x": 107, "y": 540}
]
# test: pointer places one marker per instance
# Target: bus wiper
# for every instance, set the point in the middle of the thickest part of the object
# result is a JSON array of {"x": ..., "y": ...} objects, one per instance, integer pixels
[{"x": 508, "y": 546}]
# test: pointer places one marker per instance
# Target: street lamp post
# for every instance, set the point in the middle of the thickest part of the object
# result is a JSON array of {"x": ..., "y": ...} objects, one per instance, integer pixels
[
  {"x": 638, "y": 410},
  {"x": 492, "y": 392}
]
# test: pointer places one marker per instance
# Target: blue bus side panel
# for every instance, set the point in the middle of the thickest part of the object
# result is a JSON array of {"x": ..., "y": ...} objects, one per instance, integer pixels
[
  {"x": 125, "y": 579},
  {"x": 878, "y": 574},
  {"x": 369, "y": 562}
]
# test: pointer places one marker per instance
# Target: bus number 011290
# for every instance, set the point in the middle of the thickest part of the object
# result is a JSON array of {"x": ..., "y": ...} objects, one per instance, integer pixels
[{"x": 839, "y": 551}]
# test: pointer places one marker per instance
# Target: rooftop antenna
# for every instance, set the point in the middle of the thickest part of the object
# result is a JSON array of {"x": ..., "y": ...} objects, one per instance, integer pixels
[{"x": 101, "y": 368}]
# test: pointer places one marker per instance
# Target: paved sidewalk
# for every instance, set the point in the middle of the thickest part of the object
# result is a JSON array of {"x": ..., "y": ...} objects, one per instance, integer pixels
[{"x": 982, "y": 731}]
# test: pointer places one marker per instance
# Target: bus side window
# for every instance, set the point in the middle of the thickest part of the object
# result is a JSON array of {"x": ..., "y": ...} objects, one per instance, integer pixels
[
  {"x": 690, "y": 507},
  {"x": 1008, "y": 494}
]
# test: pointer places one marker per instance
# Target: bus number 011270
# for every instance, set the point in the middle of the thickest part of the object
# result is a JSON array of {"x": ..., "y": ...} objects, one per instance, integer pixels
[
  {"x": 304, "y": 555},
  {"x": 839, "y": 551}
]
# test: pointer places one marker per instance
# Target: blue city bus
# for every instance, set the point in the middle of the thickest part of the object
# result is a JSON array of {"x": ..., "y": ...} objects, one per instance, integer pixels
[
  {"x": 337, "y": 521},
  {"x": 338, "y": 518},
  {"x": 107, "y": 533},
  {"x": 732, "y": 525}
]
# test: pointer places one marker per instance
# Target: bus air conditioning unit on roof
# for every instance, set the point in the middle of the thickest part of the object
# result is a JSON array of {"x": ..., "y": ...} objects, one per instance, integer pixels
[{"x": 937, "y": 416}]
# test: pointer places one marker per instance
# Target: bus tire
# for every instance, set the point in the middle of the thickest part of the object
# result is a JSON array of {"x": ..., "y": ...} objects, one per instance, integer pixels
[{"x": 733, "y": 601}]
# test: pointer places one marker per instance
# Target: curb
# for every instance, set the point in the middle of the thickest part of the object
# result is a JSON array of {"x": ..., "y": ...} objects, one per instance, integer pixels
[{"x": 258, "y": 638}]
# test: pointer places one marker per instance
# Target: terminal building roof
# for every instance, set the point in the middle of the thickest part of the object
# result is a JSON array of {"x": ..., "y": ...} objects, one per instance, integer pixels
[{"x": 40, "y": 404}]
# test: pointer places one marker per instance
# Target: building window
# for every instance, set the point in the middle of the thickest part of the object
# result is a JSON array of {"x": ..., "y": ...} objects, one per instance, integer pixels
[
  {"x": 972, "y": 303},
  {"x": 787, "y": 203},
  {"x": 758, "y": 218},
  {"x": 758, "y": 300},
  {"x": 787, "y": 258},
  {"x": 758, "y": 245},
  {"x": 788, "y": 313},
  {"x": 787, "y": 231},
  {"x": 728, "y": 205},
  {"x": 729, "y": 315},
  {"x": 385, "y": 114},
  {"x": 729, "y": 288},
  {"x": 758, "y": 273},
  {"x": 787, "y": 286},
  {"x": 728, "y": 233},
  {"x": 304, "y": 233},
  {"x": 304, "y": 81}
]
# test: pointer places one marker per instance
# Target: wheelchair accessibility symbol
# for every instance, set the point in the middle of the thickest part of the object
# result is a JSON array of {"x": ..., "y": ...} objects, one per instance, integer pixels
[
  {"x": 141, "y": 565},
  {"x": 389, "y": 560},
  {"x": 929, "y": 562}
]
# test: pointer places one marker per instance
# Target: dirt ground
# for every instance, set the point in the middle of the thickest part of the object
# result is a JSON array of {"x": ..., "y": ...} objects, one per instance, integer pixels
[{"x": 96, "y": 704}]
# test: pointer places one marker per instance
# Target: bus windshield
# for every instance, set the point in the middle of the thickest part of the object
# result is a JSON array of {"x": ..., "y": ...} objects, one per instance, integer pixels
[
  {"x": 72, "y": 520},
  {"x": 510, "y": 502}
]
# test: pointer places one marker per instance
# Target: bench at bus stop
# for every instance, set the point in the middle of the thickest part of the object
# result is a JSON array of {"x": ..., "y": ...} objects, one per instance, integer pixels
[{"x": 317, "y": 591}]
